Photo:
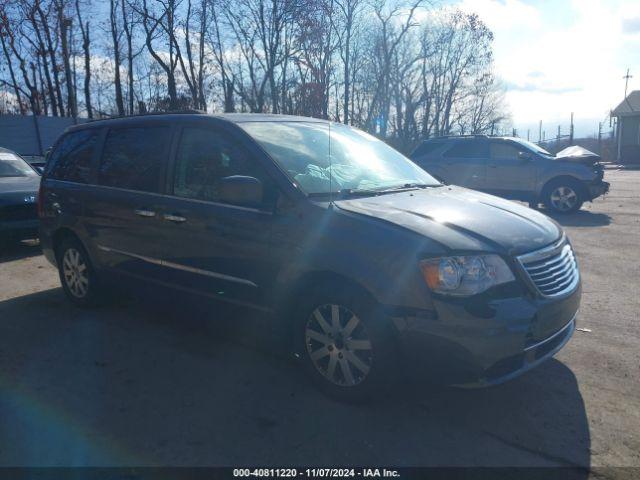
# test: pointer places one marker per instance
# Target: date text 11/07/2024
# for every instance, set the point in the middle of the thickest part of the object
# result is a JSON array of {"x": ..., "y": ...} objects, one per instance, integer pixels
[{"x": 316, "y": 472}]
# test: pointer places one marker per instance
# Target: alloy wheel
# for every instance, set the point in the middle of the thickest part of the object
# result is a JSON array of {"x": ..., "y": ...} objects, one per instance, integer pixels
[
  {"x": 75, "y": 271},
  {"x": 338, "y": 345},
  {"x": 564, "y": 198}
]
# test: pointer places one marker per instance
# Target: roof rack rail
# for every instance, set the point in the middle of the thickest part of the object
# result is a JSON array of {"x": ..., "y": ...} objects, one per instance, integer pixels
[
  {"x": 463, "y": 136},
  {"x": 186, "y": 111}
]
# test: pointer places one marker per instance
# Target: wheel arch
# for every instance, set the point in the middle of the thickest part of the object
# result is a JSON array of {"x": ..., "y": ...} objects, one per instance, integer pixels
[
  {"x": 60, "y": 236},
  {"x": 322, "y": 278},
  {"x": 563, "y": 178},
  {"x": 307, "y": 281},
  {"x": 64, "y": 233}
]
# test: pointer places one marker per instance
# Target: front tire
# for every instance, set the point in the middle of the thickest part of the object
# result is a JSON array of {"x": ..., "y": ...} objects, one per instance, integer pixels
[
  {"x": 563, "y": 196},
  {"x": 77, "y": 274},
  {"x": 344, "y": 344}
]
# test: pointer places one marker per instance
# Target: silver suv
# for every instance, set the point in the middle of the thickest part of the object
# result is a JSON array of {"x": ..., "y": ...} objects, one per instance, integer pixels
[{"x": 514, "y": 168}]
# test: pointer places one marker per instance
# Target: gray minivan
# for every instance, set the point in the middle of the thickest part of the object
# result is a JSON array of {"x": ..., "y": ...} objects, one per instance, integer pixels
[
  {"x": 366, "y": 263},
  {"x": 514, "y": 168}
]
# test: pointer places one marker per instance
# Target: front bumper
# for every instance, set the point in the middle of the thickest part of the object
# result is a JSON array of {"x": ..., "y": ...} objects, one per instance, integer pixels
[
  {"x": 532, "y": 356},
  {"x": 598, "y": 189},
  {"x": 486, "y": 341}
]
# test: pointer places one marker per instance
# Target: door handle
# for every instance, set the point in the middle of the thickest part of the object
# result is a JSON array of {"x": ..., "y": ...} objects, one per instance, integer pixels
[
  {"x": 174, "y": 218},
  {"x": 144, "y": 213}
]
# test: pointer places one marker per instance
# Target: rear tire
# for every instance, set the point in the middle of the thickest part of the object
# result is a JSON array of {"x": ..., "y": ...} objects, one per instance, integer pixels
[
  {"x": 344, "y": 343},
  {"x": 77, "y": 275},
  {"x": 563, "y": 196}
]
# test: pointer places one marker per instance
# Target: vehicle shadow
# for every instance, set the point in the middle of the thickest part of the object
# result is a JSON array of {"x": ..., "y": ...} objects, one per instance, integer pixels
[
  {"x": 582, "y": 218},
  {"x": 141, "y": 383},
  {"x": 18, "y": 250}
]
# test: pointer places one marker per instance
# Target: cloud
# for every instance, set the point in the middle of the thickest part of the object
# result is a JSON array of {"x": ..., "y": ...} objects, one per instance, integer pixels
[
  {"x": 562, "y": 56},
  {"x": 502, "y": 15},
  {"x": 631, "y": 25},
  {"x": 530, "y": 87}
]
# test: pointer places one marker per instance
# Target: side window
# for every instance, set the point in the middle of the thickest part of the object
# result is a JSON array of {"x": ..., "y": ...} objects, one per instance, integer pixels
[
  {"x": 204, "y": 158},
  {"x": 467, "y": 149},
  {"x": 134, "y": 158},
  {"x": 71, "y": 160},
  {"x": 504, "y": 151}
]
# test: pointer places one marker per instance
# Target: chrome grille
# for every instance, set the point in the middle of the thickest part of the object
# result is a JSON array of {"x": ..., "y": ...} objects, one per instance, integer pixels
[{"x": 553, "y": 270}]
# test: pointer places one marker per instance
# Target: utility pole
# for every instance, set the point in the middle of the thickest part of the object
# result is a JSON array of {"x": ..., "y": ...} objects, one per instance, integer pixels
[
  {"x": 571, "y": 131},
  {"x": 528, "y": 135},
  {"x": 599, "y": 138},
  {"x": 540, "y": 132},
  {"x": 618, "y": 123},
  {"x": 626, "y": 82}
]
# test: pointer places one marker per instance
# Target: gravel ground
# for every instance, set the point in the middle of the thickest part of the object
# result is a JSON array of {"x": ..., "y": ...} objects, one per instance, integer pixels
[{"x": 138, "y": 384}]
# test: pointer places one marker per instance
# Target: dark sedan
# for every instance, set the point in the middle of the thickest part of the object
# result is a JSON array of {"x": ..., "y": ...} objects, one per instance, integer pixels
[{"x": 19, "y": 183}]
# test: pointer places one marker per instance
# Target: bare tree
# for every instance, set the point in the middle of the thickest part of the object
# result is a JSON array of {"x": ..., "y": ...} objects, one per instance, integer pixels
[
  {"x": 368, "y": 63},
  {"x": 316, "y": 47},
  {"x": 127, "y": 27},
  {"x": 85, "y": 32},
  {"x": 348, "y": 12},
  {"x": 4, "y": 37},
  {"x": 9, "y": 39},
  {"x": 64, "y": 27},
  {"x": 160, "y": 22},
  {"x": 115, "y": 38}
]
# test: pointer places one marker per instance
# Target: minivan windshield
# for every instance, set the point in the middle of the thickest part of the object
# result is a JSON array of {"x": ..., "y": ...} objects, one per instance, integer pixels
[
  {"x": 322, "y": 158},
  {"x": 12, "y": 165}
]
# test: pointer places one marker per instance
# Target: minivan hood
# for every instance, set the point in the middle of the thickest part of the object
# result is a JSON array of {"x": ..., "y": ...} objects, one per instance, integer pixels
[{"x": 461, "y": 219}]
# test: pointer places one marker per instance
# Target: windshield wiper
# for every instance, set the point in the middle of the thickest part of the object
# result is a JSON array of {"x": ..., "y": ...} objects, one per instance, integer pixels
[
  {"x": 406, "y": 186},
  {"x": 349, "y": 192},
  {"x": 353, "y": 192}
]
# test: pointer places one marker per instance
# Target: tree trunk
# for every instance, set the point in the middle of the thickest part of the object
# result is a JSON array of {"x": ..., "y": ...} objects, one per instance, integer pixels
[
  {"x": 128, "y": 31},
  {"x": 116, "y": 57},
  {"x": 51, "y": 51},
  {"x": 86, "y": 48},
  {"x": 12, "y": 75}
]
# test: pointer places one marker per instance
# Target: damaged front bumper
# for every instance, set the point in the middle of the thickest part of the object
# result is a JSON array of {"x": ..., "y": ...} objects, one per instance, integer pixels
[{"x": 598, "y": 189}]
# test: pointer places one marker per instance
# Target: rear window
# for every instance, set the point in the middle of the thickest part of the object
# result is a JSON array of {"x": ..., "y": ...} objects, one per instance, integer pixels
[
  {"x": 133, "y": 158},
  {"x": 468, "y": 149},
  {"x": 426, "y": 148},
  {"x": 71, "y": 160}
]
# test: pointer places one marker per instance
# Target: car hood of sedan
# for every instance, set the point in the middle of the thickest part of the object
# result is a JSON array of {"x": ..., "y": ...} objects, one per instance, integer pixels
[{"x": 461, "y": 219}]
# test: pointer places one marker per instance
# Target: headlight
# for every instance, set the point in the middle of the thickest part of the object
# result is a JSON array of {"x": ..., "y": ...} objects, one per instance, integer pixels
[{"x": 465, "y": 275}]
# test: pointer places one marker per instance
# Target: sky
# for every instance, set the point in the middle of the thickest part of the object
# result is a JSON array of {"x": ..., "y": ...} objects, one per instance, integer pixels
[{"x": 563, "y": 56}]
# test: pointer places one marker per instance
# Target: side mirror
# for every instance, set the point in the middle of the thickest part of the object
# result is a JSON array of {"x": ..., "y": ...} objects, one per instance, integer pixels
[
  {"x": 241, "y": 190},
  {"x": 525, "y": 156}
]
